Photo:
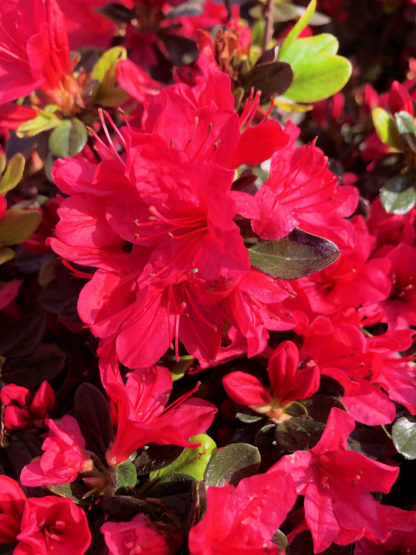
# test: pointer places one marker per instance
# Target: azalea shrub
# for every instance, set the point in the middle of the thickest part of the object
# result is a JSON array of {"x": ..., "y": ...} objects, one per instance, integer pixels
[{"x": 207, "y": 277}]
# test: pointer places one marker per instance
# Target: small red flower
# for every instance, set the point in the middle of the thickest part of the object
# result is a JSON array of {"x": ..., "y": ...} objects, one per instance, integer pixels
[{"x": 21, "y": 409}]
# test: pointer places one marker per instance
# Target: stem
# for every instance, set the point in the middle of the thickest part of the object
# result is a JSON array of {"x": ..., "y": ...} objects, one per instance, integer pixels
[
  {"x": 227, "y": 4},
  {"x": 268, "y": 31}
]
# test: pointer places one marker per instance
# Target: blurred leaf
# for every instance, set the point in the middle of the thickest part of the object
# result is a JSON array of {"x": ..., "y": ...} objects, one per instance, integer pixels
[
  {"x": 298, "y": 28},
  {"x": 232, "y": 463},
  {"x": 317, "y": 77},
  {"x": 297, "y": 255},
  {"x": 126, "y": 475},
  {"x": 280, "y": 540},
  {"x": 93, "y": 416},
  {"x": 45, "y": 363},
  {"x": 404, "y": 437},
  {"x": 270, "y": 78},
  {"x": 192, "y": 462},
  {"x": 42, "y": 122},
  {"x": 191, "y": 8},
  {"x": 386, "y": 128},
  {"x": 117, "y": 12},
  {"x": 68, "y": 138},
  {"x": 23, "y": 337},
  {"x": 181, "y": 50},
  {"x": 74, "y": 491},
  {"x": 13, "y": 173},
  {"x": 298, "y": 434},
  {"x": 153, "y": 457},
  {"x": 6, "y": 254},
  {"x": 2, "y": 162},
  {"x": 17, "y": 225},
  {"x": 405, "y": 123},
  {"x": 398, "y": 202}
]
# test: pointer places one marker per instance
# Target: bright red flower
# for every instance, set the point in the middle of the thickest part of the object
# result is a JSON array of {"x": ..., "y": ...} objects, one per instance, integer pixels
[
  {"x": 52, "y": 525},
  {"x": 287, "y": 383},
  {"x": 64, "y": 456},
  {"x": 244, "y": 519},
  {"x": 21, "y": 410},
  {"x": 336, "y": 485},
  {"x": 135, "y": 536},
  {"x": 12, "y": 501},
  {"x": 34, "y": 50},
  {"x": 142, "y": 414}
]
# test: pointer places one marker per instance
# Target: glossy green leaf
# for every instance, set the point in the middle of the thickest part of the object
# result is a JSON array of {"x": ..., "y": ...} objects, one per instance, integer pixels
[
  {"x": 13, "y": 173},
  {"x": 126, "y": 475},
  {"x": 297, "y": 255},
  {"x": 297, "y": 29},
  {"x": 324, "y": 43},
  {"x": 398, "y": 202},
  {"x": 404, "y": 437},
  {"x": 386, "y": 128},
  {"x": 318, "y": 77},
  {"x": 298, "y": 434},
  {"x": 17, "y": 225},
  {"x": 68, "y": 138},
  {"x": 232, "y": 463},
  {"x": 192, "y": 462}
]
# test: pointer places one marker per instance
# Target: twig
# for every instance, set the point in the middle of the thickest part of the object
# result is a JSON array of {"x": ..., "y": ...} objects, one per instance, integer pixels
[
  {"x": 268, "y": 31},
  {"x": 228, "y": 6}
]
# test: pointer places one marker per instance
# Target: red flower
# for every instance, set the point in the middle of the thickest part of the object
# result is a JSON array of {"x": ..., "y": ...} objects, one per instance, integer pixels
[
  {"x": 137, "y": 535},
  {"x": 287, "y": 383},
  {"x": 336, "y": 485},
  {"x": 244, "y": 519},
  {"x": 34, "y": 50},
  {"x": 21, "y": 410},
  {"x": 64, "y": 457},
  {"x": 142, "y": 414},
  {"x": 12, "y": 501},
  {"x": 52, "y": 525}
]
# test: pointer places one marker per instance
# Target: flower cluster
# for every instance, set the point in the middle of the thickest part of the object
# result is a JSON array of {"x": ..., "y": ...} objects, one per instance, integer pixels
[{"x": 208, "y": 324}]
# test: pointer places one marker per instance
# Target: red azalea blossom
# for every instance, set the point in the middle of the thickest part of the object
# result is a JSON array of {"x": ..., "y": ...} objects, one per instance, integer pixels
[
  {"x": 64, "y": 455},
  {"x": 137, "y": 535},
  {"x": 287, "y": 383},
  {"x": 248, "y": 513},
  {"x": 21, "y": 409},
  {"x": 336, "y": 485},
  {"x": 142, "y": 414}
]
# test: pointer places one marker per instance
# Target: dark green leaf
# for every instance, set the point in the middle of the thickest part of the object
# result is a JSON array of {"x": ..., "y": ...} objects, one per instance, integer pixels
[
  {"x": 404, "y": 437},
  {"x": 232, "y": 463},
  {"x": 125, "y": 507},
  {"x": 22, "y": 338},
  {"x": 297, "y": 255},
  {"x": 117, "y": 12},
  {"x": 368, "y": 441},
  {"x": 319, "y": 406},
  {"x": 93, "y": 416},
  {"x": 298, "y": 434},
  {"x": 126, "y": 475},
  {"x": 68, "y": 138},
  {"x": 192, "y": 462},
  {"x": 272, "y": 79}
]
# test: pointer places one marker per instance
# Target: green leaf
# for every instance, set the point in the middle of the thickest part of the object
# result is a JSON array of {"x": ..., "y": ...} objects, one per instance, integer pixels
[
  {"x": 297, "y": 255},
  {"x": 298, "y": 28},
  {"x": 405, "y": 123},
  {"x": 68, "y": 138},
  {"x": 17, "y": 225},
  {"x": 404, "y": 437},
  {"x": 324, "y": 43},
  {"x": 192, "y": 462},
  {"x": 271, "y": 79},
  {"x": 298, "y": 434},
  {"x": 126, "y": 475},
  {"x": 13, "y": 173},
  {"x": 386, "y": 128},
  {"x": 42, "y": 122},
  {"x": 232, "y": 463},
  {"x": 108, "y": 92},
  {"x": 318, "y": 77},
  {"x": 2, "y": 162},
  {"x": 398, "y": 202}
]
